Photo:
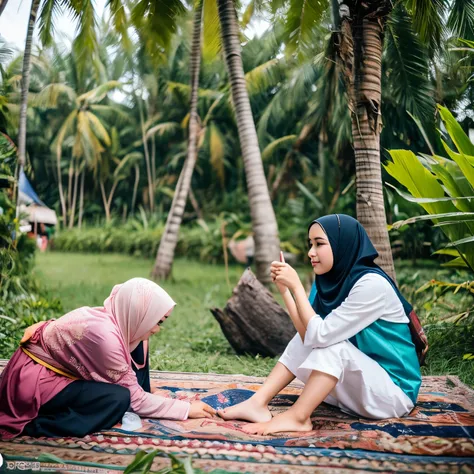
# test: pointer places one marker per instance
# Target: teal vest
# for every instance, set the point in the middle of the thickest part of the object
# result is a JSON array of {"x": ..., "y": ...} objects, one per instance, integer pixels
[{"x": 391, "y": 346}]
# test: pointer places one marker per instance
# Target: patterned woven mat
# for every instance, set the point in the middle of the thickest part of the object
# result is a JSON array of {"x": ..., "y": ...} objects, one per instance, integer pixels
[{"x": 438, "y": 436}]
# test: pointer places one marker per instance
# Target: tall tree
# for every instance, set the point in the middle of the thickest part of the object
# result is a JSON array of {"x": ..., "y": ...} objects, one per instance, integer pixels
[
  {"x": 361, "y": 52},
  {"x": 85, "y": 42},
  {"x": 264, "y": 224},
  {"x": 25, "y": 83},
  {"x": 359, "y": 37},
  {"x": 169, "y": 239},
  {"x": 83, "y": 131}
]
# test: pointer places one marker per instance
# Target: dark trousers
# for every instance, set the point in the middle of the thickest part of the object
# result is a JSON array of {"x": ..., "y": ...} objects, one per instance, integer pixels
[{"x": 85, "y": 407}]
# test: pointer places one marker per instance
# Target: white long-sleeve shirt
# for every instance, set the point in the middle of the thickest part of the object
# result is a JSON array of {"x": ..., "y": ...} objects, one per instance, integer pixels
[{"x": 371, "y": 298}]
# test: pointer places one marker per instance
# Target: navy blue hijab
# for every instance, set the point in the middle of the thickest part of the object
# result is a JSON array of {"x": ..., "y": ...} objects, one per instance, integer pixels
[{"x": 354, "y": 256}]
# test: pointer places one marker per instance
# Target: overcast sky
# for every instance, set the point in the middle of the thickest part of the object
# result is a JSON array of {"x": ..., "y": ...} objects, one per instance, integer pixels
[{"x": 14, "y": 21}]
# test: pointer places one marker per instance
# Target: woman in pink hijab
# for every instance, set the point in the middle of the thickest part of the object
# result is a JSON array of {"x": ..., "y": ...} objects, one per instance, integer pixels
[{"x": 74, "y": 376}]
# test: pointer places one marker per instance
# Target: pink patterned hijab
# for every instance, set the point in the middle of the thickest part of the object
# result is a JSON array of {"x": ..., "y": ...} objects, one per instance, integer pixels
[
  {"x": 136, "y": 306},
  {"x": 129, "y": 314}
]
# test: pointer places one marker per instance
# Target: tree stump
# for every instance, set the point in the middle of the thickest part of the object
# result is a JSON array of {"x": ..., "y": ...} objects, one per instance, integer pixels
[{"x": 252, "y": 321}]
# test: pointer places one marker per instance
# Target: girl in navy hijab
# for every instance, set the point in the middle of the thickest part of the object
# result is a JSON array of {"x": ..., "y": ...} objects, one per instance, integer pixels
[{"x": 353, "y": 347}]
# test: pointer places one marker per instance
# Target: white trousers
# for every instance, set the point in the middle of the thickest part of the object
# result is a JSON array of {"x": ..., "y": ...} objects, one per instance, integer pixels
[{"x": 363, "y": 386}]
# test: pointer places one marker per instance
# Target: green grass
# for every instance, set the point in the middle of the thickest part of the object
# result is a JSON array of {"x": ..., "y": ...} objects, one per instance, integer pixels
[{"x": 191, "y": 340}]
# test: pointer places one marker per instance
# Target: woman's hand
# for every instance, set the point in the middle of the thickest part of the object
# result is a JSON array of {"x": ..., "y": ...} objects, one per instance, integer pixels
[
  {"x": 284, "y": 276},
  {"x": 281, "y": 287},
  {"x": 201, "y": 410}
]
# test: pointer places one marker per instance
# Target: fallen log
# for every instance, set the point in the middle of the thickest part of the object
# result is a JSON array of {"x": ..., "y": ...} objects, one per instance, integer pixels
[{"x": 252, "y": 320}]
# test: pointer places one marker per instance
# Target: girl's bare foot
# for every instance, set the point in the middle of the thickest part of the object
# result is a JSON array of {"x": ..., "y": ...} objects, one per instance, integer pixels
[
  {"x": 282, "y": 422},
  {"x": 250, "y": 410}
]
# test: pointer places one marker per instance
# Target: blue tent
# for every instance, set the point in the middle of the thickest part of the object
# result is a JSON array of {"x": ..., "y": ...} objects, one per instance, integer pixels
[
  {"x": 31, "y": 205},
  {"x": 27, "y": 190}
]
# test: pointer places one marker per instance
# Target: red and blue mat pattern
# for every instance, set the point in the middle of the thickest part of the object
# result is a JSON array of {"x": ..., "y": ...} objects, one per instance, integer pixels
[{"x": 437, "y": 436}]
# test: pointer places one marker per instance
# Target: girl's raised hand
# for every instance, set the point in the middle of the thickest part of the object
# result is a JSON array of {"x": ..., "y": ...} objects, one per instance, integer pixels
[
  {"x": 284, "y": 275},
  {"x": 281, "y": 287}
]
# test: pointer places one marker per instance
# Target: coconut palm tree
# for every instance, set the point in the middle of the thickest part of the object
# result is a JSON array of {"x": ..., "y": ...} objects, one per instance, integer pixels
[
  {"x": 359, "y": 29},
  {"x": 82, "y": 132},
  {"x": 25, "y": 82},
  {"x": 85, "y": 43},
  {"x": 266, "y": 72},
  {"x": 264, "y": 224},
  {"x": 169, "y": 239},
  {"x": 115, "y": 166}
]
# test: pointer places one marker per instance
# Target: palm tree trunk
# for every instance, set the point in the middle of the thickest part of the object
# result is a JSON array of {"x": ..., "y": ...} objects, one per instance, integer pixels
[
  {"x": 151, "y": 193},
  {"x": 280, "y": 175},
  {"x": 62, "y": 198},
  {"x": 264, "y": 224},
  {"x": 322, "y": 158},
  {"x": 363, "y": 52},
  {"x": 25, "y": 84},
  {"x": 195, "y": 205},
  {"x": 124, "y": 213},
  {"x": 81, "y": 199},
  {"x": 153, "y": 162},
  {"x": 74, "y": 198},
  {"x": 169, "y": 239},
  {"x": 111, "y": 195},
  {"x": 104, "y": 200},
  {"x": 69, "y": 183},
  {"x": 135, "y": 189},
  {"x": 3, "y": 4}
]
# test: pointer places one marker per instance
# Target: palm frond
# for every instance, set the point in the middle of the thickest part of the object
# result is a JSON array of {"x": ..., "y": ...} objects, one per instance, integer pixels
[
  {"x": 50, "y": 11},
  {"x": 278, "y": 144},
  {"x": 126, "y": 164},
  {"x": 85, "y": 44},
  {"x": 118, "y": 15},
  {"x": 112, "y": 113},
  {"x": 301, "y": 19},
  {"x": 64, "y": 131},
  {"x": 151, "y": 120},
  {"x": 294, "y": 92},
  {"x": 158, "y": 17},
  {"x": 164, "y": 129},
  {"x": 185, "y": 90},
  {"x": 211, "y": 31},
  {"x": 218, "y": 101},
  {"x": 461, "y": 19},
  {"x": 49, "y": 96},
  {"x": 248, "y": 14},
  {"x": 427, "y": 17},
  {"x": 273, "y": 110},
  {"x": 406, "y": 65},
  {"x": 135, "y": 156},
  {"x": 217, "y": 151},
  {"x": 265, "y": 76},
  {"x": 5, "y": 51},
  {"x": 88, "y": 138},
  {"x": 97, "y": 94},
  {"x": 98, "y": 128}
]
